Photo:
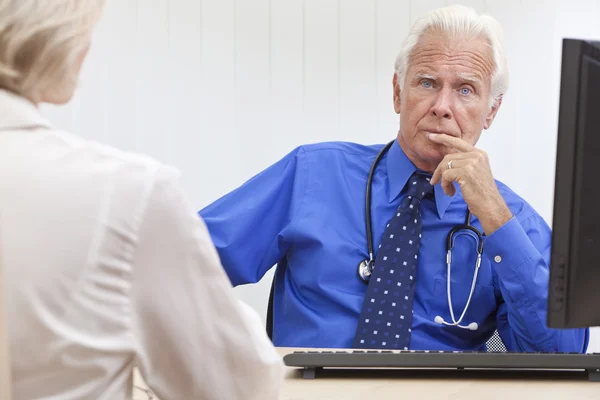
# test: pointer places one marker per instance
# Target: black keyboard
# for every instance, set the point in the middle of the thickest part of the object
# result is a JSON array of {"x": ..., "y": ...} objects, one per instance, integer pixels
[{"x": 312, "y": 361}]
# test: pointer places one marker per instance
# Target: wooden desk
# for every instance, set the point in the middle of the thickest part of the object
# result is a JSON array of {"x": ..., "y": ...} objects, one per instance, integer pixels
[{"x": 416, "y": 385}]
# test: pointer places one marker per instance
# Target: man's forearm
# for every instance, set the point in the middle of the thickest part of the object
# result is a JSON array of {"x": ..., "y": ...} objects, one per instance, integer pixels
[{"x": 523, "y": 276}]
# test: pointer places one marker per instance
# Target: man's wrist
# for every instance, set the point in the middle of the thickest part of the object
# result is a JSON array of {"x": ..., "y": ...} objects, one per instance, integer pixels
[{"x": 498, "y": 215}]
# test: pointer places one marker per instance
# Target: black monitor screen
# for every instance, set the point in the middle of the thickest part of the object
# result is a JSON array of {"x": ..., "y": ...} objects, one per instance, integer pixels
[{"x": 574, "y": 290}]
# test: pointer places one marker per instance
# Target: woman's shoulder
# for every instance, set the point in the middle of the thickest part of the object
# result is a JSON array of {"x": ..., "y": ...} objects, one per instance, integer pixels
[
  {"x": 101, "y": 161},
  {"x": 85, "y": 173}
]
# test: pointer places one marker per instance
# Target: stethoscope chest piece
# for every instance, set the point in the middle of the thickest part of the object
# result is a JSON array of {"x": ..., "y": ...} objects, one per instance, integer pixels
[{"x": 365, "y": 269}]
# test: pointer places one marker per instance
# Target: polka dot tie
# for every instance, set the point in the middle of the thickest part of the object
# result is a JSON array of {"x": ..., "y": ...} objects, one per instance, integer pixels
[{"x": 386, "y": 316}]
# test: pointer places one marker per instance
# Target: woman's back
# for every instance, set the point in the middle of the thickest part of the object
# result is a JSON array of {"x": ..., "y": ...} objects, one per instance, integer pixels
[{"x": 107, "y": 267}]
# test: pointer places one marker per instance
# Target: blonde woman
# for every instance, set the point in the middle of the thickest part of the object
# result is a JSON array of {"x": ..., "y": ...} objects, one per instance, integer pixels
[{"x": 106, "y": 265}]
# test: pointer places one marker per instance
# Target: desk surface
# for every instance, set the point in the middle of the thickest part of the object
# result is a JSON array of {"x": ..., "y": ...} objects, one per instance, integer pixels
[{"x": 439, "y": 385}]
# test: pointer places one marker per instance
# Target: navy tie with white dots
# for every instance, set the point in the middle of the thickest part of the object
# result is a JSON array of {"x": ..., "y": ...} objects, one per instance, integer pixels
[{"x": 386, "y": 316}]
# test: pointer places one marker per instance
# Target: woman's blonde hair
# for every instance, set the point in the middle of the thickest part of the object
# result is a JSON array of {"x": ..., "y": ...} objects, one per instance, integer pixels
[{"x": 40, "y": 41}]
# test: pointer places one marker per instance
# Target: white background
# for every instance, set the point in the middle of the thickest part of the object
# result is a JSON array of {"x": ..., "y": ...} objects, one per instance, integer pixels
[{"x": 223, "y": 88}]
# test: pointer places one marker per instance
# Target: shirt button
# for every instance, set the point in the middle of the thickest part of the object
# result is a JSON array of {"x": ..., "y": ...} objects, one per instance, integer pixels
[{"x": 498, "y": 259}]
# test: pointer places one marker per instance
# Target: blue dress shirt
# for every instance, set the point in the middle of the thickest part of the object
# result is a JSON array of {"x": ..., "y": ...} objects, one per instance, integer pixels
[{"x": 306, "y": 213}]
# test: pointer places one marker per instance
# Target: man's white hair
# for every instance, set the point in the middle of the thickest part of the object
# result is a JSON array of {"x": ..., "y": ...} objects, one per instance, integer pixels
[
  {"x": 40, "y": 40},
  {"x": 464, "y": 22}
]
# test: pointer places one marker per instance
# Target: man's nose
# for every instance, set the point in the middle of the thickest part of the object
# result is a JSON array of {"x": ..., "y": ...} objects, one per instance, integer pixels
[{"x": 441, "y": 108}]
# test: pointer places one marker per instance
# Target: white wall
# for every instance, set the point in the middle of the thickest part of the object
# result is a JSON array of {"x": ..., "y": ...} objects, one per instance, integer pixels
[{"x": 223, "y": 88}]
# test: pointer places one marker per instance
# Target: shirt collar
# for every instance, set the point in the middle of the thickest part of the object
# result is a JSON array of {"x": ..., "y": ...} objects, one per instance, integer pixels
[
  {"x": 400, "y": 169},
  {"x": 19, "y": 113}
]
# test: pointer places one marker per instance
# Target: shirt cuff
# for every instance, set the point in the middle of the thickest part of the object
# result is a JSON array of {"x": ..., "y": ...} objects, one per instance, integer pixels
[{"x": 509, "y": 245}]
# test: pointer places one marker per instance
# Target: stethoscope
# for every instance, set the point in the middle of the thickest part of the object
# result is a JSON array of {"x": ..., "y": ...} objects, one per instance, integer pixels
[{"x": 365, "y": 268}]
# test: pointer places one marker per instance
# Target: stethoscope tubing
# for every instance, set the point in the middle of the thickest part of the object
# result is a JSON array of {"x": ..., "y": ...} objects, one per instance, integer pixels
[{"x": 365, "y": 268}]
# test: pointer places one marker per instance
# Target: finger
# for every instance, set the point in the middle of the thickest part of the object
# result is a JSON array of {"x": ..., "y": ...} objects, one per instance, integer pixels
[
  {"x": 451, "y": 141},
  {"x": 456, "y": 163},
  {"x": 448, "y": 178},
  {"x": 437, "y": 174},
  {"x": 457, "y": 160}
]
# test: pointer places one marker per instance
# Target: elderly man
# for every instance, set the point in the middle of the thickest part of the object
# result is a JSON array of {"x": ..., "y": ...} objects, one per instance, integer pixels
[{"x": 306, "y": 213}]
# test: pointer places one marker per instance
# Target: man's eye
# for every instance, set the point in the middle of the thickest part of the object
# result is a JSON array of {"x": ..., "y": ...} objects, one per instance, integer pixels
[
  {"x": 426, "y": 84},
  {"x": 465, "y": 91}
]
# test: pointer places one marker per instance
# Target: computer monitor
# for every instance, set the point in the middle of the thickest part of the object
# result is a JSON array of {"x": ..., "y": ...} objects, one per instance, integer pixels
[{"x": 574, "y": 287}]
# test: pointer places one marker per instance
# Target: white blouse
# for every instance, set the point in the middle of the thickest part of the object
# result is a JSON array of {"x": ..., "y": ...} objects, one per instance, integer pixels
[{"x": 107, "y": 267}]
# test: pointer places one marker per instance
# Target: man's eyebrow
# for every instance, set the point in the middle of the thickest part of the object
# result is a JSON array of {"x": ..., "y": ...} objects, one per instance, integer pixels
[
  {"x": 470, "y": 78},
  {"x": 424, "y": 76}
]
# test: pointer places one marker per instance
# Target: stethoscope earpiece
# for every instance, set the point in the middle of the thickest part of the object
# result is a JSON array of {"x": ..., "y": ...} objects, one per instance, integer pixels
[{"x": 473, "y": 326}]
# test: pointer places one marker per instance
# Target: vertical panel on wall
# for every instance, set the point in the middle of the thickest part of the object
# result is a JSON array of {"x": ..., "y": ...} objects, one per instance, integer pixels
[
  {"x": 153, "y": 78},
  {"x": 499, "y": 141},
  {"x": 477, "y": 5},
  {"x": 578, "y": 19},
  {"x": 220, "y": 147},
  {"x": 357, "y": 75},
  {"x": 418, "y": 8},
  {"x": 393, "y": 18},
  {"x": 596, "y": 33},
  {"x": 253, "y": 107},
  {"x": 118, "y": 73},
  {"x": 252, "y": 82},
  {"x": 93, "y": 95},
  {"x": 287, "y": 122},
  {"x": 321, "y": 70},
  {"x": 184, "y": 111},
  {"x": 536, "y": 51}
]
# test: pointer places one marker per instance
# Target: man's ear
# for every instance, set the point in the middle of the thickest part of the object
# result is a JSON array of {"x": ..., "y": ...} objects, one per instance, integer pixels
[
  {"x": 492, "y": 114},
  {"x": 396, "y": 94}
]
